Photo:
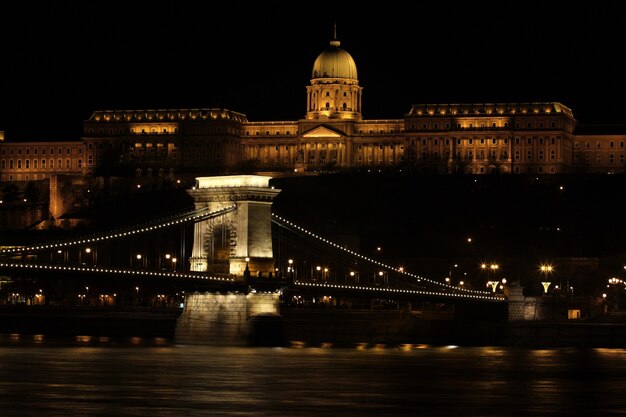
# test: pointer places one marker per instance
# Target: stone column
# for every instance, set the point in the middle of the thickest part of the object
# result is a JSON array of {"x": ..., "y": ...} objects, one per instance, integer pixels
[{"x": 249, "y": 225}]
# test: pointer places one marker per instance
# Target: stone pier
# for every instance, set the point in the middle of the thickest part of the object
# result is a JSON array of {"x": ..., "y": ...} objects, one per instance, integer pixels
[{"x": 224, "y": 319}]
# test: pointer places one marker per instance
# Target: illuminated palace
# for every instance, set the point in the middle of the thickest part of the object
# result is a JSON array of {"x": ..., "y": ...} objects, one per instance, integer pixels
[{"x": 536, "y": 137}]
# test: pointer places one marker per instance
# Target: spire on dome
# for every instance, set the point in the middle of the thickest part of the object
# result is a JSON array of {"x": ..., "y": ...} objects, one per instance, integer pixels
[{"x": 335, "y": 42}]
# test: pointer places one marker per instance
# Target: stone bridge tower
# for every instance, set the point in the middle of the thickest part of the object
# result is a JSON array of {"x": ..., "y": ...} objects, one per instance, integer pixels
[{"x": 240, "y": 238}]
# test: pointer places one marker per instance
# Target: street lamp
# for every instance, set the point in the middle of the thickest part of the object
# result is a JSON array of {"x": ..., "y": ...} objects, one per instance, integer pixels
[
  {"x": 614, "y": 281},
  {"x": 490, "y": 269},
  {"x": 246, "y": 272},
  {"x": 545, "y": 270},
  {"x": 449, "y": 279},
  {"x": 383, "y": 277},
  {"x": 290, "y": 272}
]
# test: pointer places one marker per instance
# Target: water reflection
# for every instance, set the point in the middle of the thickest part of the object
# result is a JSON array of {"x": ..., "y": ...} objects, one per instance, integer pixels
[{"x": 147, "y": 377}]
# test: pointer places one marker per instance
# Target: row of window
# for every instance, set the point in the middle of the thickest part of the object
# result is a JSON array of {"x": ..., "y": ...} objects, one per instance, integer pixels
[
  {"x": 598, "y": 159},
  {"x": 493, "y": 141},
  {"x": 158, "y": 131},
  {"x": 37, "y": 151},
  {"x": 26, "y": 177},
  {"x": 598, "y": 144},
  {"x": 471, "y": 125},
  {"x": 37, "y": 164}
]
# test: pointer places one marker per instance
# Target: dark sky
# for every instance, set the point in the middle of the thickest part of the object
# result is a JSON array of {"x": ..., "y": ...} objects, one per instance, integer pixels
[{"x": 61, "y": 60}]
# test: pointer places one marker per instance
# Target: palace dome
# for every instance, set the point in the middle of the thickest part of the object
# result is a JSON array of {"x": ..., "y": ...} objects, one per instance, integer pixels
[{"x": 334, "y": 62}]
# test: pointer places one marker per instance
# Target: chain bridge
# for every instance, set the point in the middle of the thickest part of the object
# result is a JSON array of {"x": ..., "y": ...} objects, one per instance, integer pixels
[{"x": 230, "y": 257}]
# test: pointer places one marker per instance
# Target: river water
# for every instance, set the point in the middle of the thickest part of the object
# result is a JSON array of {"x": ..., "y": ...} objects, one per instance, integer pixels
[{"x": 100, "y": 377}]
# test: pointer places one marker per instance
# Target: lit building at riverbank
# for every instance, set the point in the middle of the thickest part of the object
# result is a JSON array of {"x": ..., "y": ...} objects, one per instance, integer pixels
[{"x": 469, "y": 138}]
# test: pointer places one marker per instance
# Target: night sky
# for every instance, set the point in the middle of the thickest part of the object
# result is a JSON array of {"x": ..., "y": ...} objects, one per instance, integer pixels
[{"x": 62, "y": 60}]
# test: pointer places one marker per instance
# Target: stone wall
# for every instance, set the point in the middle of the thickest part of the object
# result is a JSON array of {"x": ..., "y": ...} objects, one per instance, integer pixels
[
  {"x": 543, "y": 307},
  {"x": 222, "y": 319}
]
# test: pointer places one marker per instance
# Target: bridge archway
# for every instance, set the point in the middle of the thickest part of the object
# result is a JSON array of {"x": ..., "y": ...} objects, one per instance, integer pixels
[{"x": 241, "y": 238}]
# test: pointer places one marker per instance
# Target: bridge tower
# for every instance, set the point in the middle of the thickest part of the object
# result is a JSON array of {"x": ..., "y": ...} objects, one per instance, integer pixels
[{"x": 240, "y": 239}]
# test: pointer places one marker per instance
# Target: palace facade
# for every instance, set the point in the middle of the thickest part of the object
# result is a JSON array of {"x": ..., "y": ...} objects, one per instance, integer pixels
[{"x": 478, "y": 138}]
